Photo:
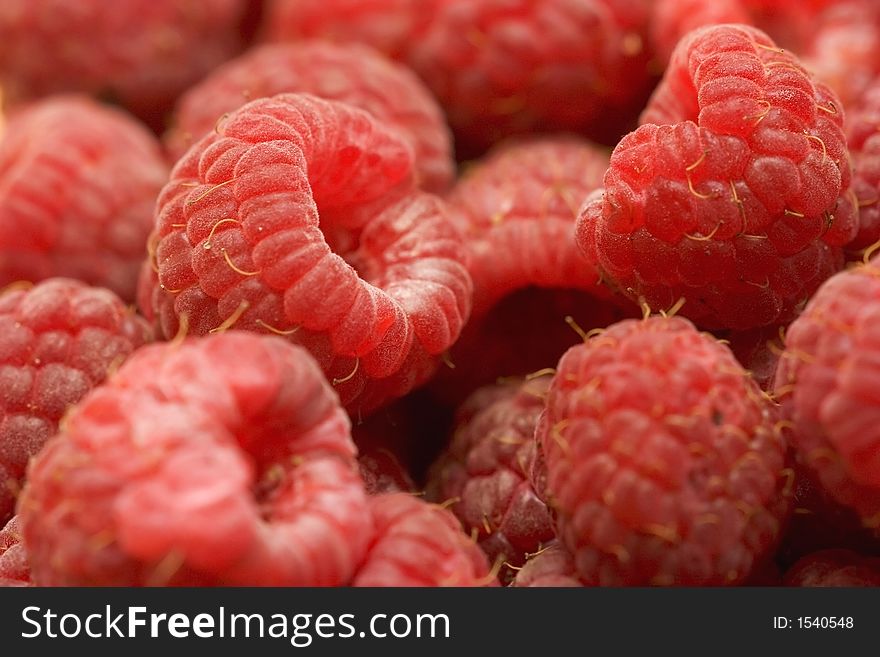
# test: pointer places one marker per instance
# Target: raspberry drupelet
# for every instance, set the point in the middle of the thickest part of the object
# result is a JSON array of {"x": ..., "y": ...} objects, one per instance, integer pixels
[
  {"x": 58, "y": 340},
  {"x": 78, "y": 185},
  {"x": 664, "y": 465},
  {"x": 299, "y": 217},
  {"x": 350, "y": 73},
  {"x": 14, "y": 567},
  {"x": 734, "y": 193},
  {"x": 223, "y": 460}
]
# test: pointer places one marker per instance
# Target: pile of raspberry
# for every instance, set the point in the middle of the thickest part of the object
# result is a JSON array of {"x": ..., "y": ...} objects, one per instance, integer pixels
[{"x": 440, "y": 293}]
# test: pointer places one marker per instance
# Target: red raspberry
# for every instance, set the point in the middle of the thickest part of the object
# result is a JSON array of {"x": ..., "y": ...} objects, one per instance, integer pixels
[
  {"x": 671, "y": 20},
  {"x": 348, "y": 73},
  {"x": 383, "y": 472},
  {"x": 14, "y": 568},
  {"x": 78, "y": 183},
  {"x": 552, "y": 566},
  {"x": 517, "y": 210},
  {"x": 734, "y": 194},
  {"x": 834, "y": 568},
  {"x": 391, "y": 26},
  {"x": 276, "y": 224},
  {"x": 663, "y": 463},
  {"x": 863, "y": 139},
  {"x": 140, "y": 52},
  {"x": 221, "y": 460},
  {"x": 58, "y": 340},
  {"x": 503, "y": 67},
  {"x": 826, "y": 384},
  {"x": 484, "y": 474},
  {"x": 419, "y": 544}
]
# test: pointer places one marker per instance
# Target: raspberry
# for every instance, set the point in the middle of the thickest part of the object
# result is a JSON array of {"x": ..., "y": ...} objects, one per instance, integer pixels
[
  {"x": 672, "y": 19},
  {"x": 58, "y": 340},
  {"x": 663, "y": 463},
  {"x": 140, "y": 52},
  {"x": 222, "y": 460},
  {"x": 734, "y": 194},
  {"x": 419, "y": 544},
  {"x": 348, "y": 73},
  {"x": 863, "y": 139},
  {"x": 826, "y": 384},
  {"x": 484, "y": 474},
  {"x": 758, "y": 351},
  {"x": 517, "y": 209},
  {"x": 14, "y": 568},
  {"x": 552, "y": 566},
  {"x": 78, "y": 182},
  {"x": 504, "y": 67},
  {"x": 375, "y": 293},
  {"x": 383, "y": 472},
  {"x": 834, "y": 568},
  {"x": 391, "y": 26}
]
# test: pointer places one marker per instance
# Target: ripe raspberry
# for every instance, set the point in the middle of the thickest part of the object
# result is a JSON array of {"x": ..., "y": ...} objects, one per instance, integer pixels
[
  {"x": 863, "y": 139},
  {"x": 819, "y": 523},
  {"x": 78, "y": 182},
  {"x": 671, "y": 20},
  {"x": 826, "y": 384},
  {"x": 391, "y": 26},
  {"x": 383, "y": 472},
  {"x": 834, "y": 568},
  {"x": 224, "y": 460},
  {"x": 140, "y": 52},
  {"x": 663, "y": 463},
  {"x": 58, "y": 340},
  {"x": 503, "y": 67},
  {"x": 14, "y": 568},
  {"x": 484, "y": 473},
  {"x": 419, "y": 544},
  {"x": 734, "y": 192},
  {"x": 298, "y": 217},
  {"x": 517, "y": 209},
  {"x": 348, "y": 73},
  {"x": 553, "y": 566}
]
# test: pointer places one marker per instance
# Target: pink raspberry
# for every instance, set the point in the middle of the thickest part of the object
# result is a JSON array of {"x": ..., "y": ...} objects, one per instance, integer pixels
[
  {"x": 517, "y": 209},
  {"x": 348, "y": 73},
  {"x": 826, "y": 385},
  {"x": 734, "y": 193},
  {"x": 503, "y": 67},
  {"x": 834, "y": 568},
  {"x": 14, "y": 568},
  {"x": 298, "y": 217},
  {"x": 484, "y": 473},
  {"x": 224, "y": 460},
  {"x": 419, "y": 544},
  {"x": 552, "y": 566},
  {"x": 663, "y": 463},
  {"x": 391, "y": 26},
  {"x": 58, "y": 340},
  {"x": 140, "y": 52},
  {"x": 78, "y": 183}
]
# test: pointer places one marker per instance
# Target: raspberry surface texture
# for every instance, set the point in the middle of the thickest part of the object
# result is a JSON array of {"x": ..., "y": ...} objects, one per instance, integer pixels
[
  {"x": 299, "y": 217},
  {"x": 552, "y": 566},
  {"x": 484, "y": 474},
  {"x": 391, "y": 26},
  {"x": 58, "y": 340},
  {"x": 14, "y": 568},
  {"x": 734, "y": 193},
  {"x": 505, "y": 67},
  {"x": 826, "y": 385},
  {"x": 351, "y": 73},
  {"x": 834, "y": 568},
  {"x": 663, "y": 463},
  {"x": 78, "y": 185},
  {"x": 419, "y": 544},
  {"x": 223, "y": 460},
  {"x": 863, "y": 139},
  {"x": 142, "y": 53}
]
